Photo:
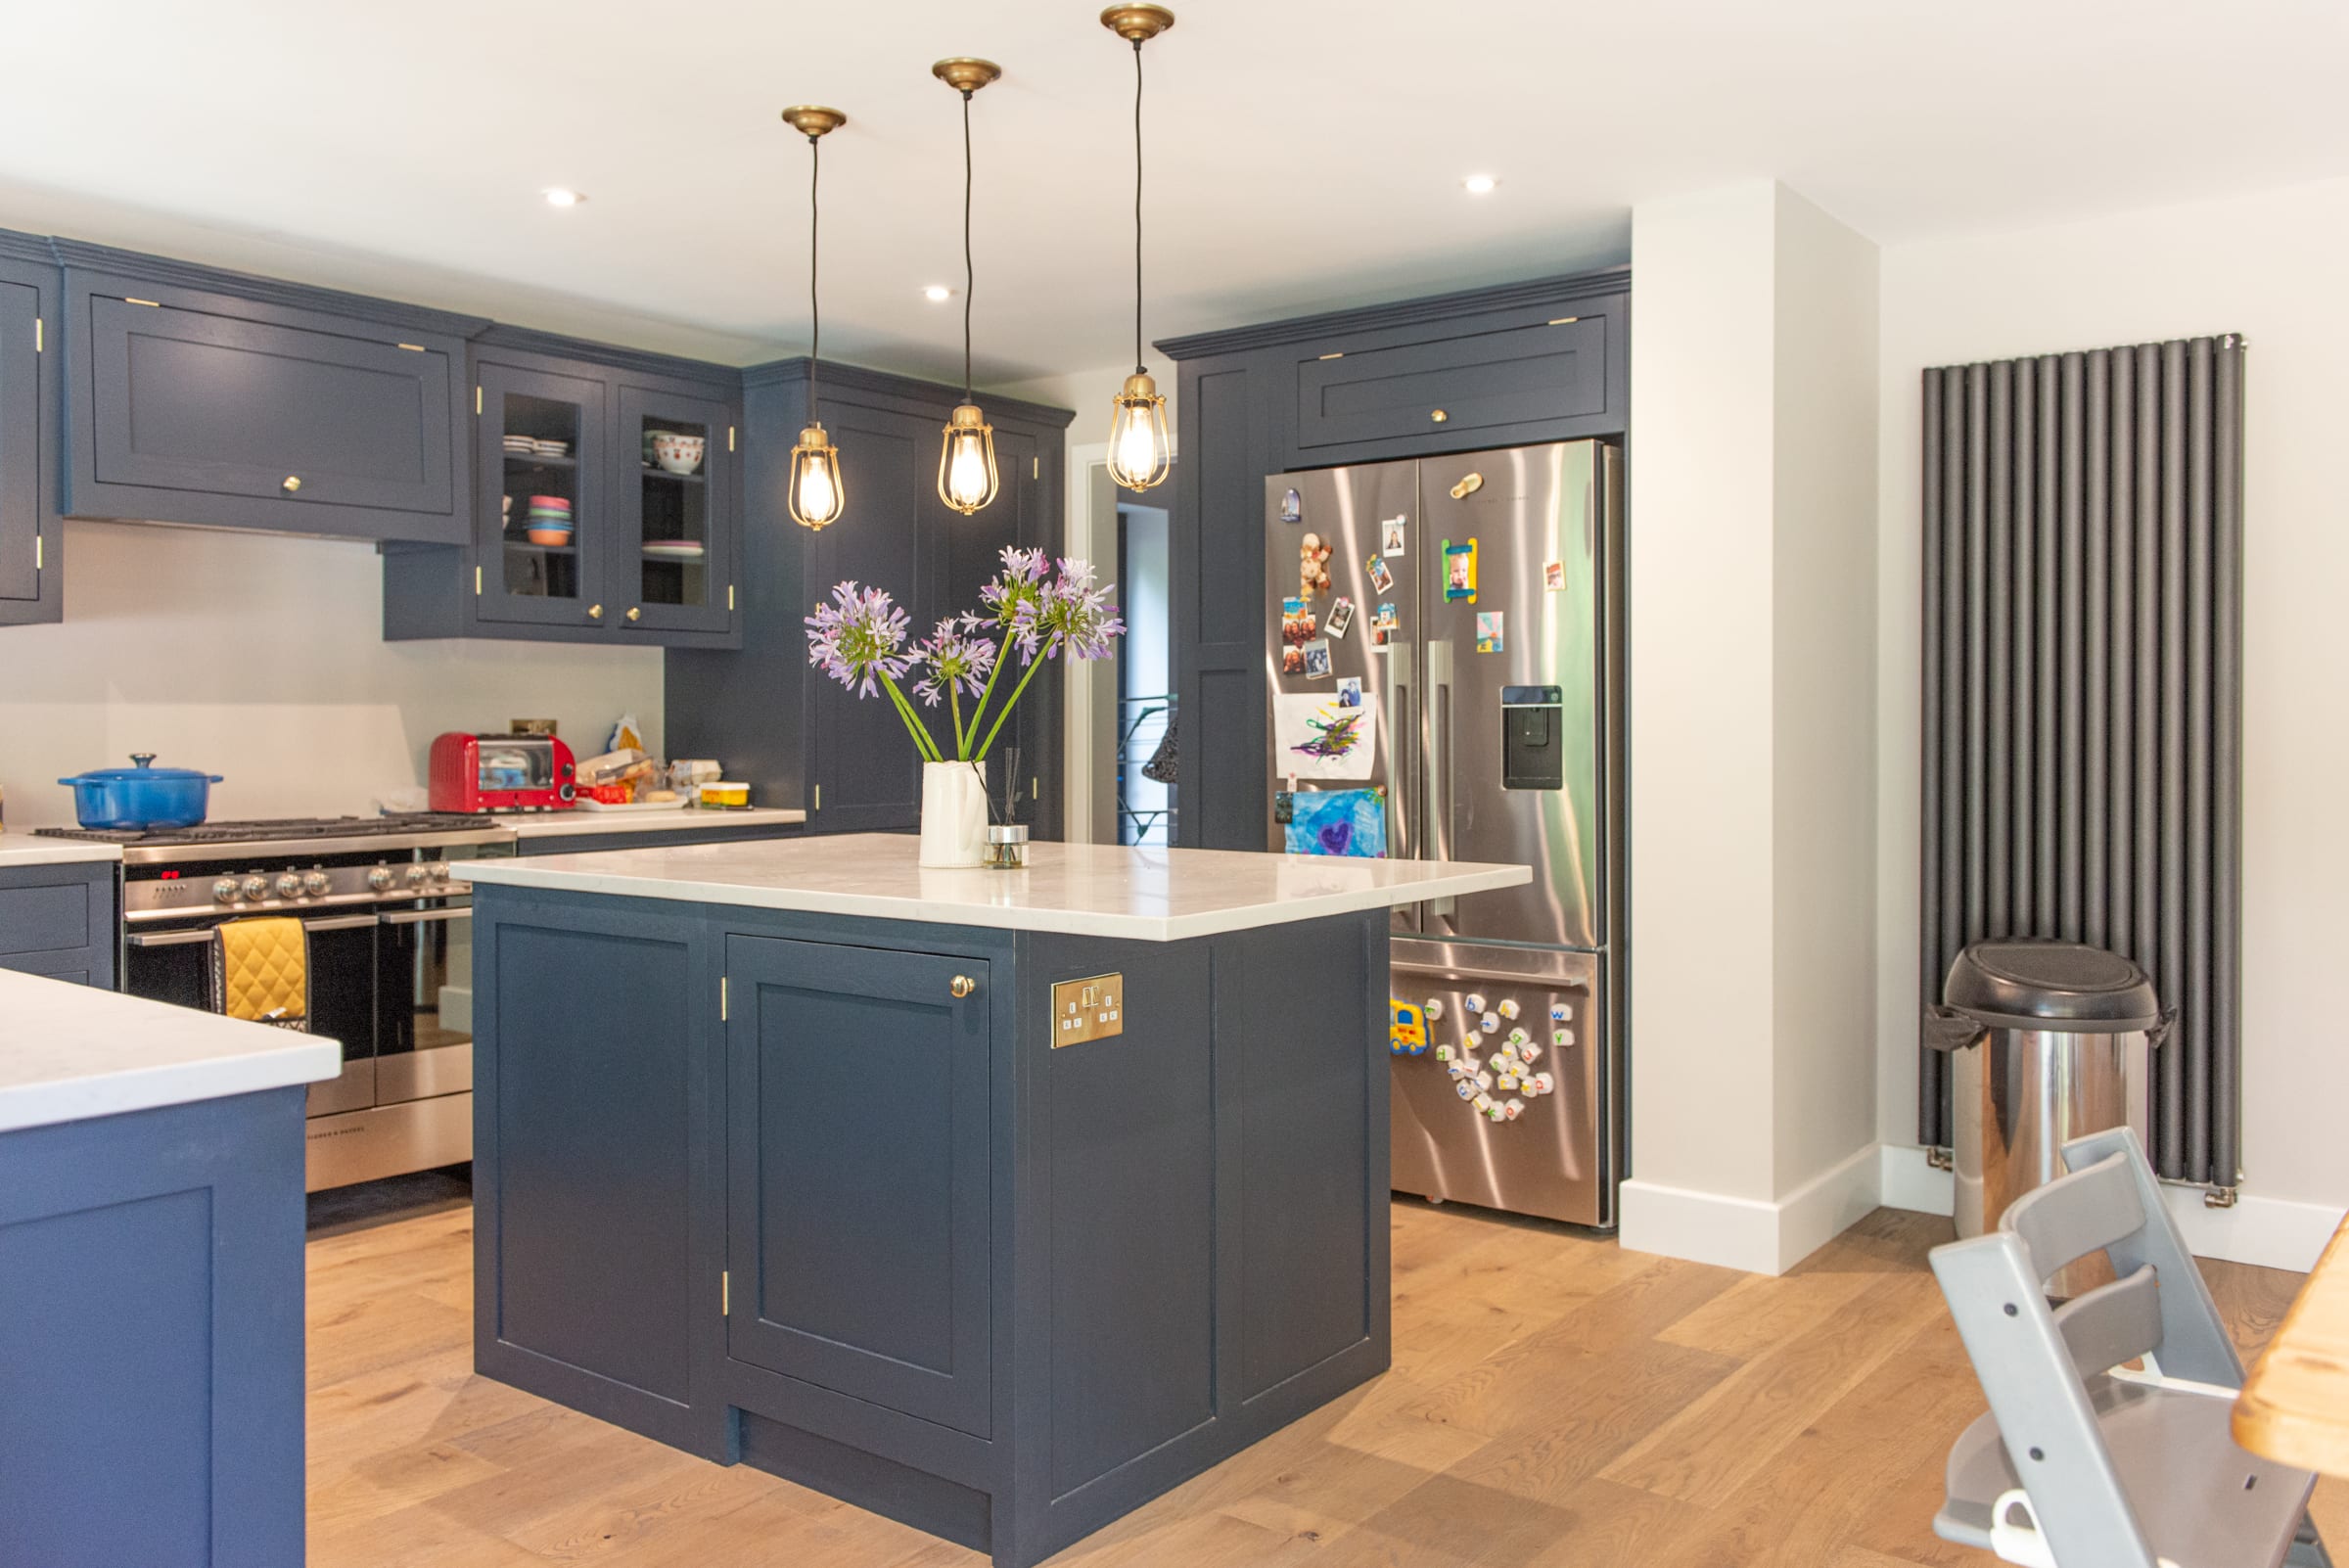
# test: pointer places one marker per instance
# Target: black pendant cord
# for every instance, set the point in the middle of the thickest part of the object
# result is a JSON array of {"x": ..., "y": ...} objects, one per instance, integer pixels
[
  {"x": 1138, "y": 367},
  {"x": 969, "y": 277},
  {"x": 815, "y": 316}
]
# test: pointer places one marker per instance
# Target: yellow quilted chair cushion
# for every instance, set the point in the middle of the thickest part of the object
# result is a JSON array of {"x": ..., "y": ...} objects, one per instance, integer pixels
[{"x": 263, "y": 970}]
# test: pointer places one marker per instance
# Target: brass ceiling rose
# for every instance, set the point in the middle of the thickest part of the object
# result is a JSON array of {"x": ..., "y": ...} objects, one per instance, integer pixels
[
  {"x": 813, "y": 119},
  {"x": 965, "y": 74},
  {"x": 1137, "y": 23}
]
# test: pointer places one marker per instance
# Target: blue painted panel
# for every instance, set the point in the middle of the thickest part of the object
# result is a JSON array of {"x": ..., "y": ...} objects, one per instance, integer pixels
[
  {"x": 31, "y": 550},
  {"x": 1456, "y": 386},
  {"x": 151, "y": 1338},
  {"x": 858, "y": 1222},
  {"x": 60, "y": 920}
]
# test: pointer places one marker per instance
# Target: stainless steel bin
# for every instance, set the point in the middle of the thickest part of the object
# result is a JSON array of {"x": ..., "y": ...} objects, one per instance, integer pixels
[{"x": 2048, "y": 1041}]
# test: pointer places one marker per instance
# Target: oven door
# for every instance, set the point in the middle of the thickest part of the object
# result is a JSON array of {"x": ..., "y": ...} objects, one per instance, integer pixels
[
  {"x": 171, "y": 962},
  {"x": 424, "y": 1019}
]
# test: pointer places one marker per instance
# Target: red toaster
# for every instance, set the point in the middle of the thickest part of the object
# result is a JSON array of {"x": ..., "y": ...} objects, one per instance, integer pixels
[{"x": 501, "y": 773}]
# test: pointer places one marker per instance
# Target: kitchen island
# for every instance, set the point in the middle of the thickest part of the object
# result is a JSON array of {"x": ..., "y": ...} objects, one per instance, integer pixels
[
  {"x": 150, "y": 1280},
  {"x": 995, "y": 1202}
]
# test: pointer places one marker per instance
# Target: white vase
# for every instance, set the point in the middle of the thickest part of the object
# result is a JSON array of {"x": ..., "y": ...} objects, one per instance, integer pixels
[{"x": 953, "y": 814}]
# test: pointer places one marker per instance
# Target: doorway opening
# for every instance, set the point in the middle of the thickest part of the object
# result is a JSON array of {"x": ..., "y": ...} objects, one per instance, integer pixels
[{"x": 1145, "y": 679}]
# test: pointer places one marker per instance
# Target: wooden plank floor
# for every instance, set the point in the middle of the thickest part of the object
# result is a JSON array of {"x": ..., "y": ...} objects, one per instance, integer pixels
[{"x": 1554, "y": 1401}]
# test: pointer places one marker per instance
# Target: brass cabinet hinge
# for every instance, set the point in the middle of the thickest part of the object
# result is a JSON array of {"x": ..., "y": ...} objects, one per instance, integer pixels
[
  {"x": 1035, "y": 468},
  {"x": 39, "y": 551},
  {"x": 151, "y": 304},
  {"x": 1565, "y": 321},
  {"x": 722, "y": 1001},
  {"x": 730, "y": 438},
  {"x": 412, "y": 348},
  {"x": 725, "y": 1293},
  {"x": 819, "y": 797},
  {"x": 477, "y": 581},
  {"x": 39, "y": 342},
  {"x": 477, "y": 397},
  {"x": 1330, "y": 356},
  {"x": 729, "y": 598}
]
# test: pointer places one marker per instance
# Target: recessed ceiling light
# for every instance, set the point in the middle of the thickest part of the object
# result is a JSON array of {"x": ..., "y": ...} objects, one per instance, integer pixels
[
  {"x": 1480, "y": 184},
  {"x": 562, "y": 196},
  {"x": 938, "y": 294}
]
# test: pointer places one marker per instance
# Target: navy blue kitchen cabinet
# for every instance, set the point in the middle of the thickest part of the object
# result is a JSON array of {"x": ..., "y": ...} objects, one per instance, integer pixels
[
  {"x": 701, "y": 831},
  {"x": 32, "y": 565},
  {"x": 61, "y": 921},
  {"x": 628, "y": 572},
  {"x": 196, "y": 396},
  {"x": 151, "y": 1338},
  {"x": 821, "y": 1195},
  {"x": 777, "y": 720},
  {"x": 1547, "y": 360}
]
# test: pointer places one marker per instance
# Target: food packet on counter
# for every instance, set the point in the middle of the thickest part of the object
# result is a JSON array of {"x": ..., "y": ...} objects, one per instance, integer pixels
[
  {"x": 627, "y": 736},
  {"x": 625, "y": 766}
]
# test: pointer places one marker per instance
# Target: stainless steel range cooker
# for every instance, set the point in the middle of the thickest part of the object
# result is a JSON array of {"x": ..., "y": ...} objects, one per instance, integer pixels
[{"x": 391, "y": 962}]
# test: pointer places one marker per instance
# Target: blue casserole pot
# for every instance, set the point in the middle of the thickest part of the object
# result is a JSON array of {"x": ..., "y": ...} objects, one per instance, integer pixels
[{"x": 143, "y": 796}]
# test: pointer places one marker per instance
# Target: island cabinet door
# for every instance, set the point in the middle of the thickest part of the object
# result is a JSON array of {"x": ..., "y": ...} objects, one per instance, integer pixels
[{"x": 857, "y": 1213}]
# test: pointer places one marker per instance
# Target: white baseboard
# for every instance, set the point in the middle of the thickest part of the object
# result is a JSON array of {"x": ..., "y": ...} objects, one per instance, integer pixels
[
  {"x": 1758, "y": 1236},
  {"x": 2267, "y": 1232}
]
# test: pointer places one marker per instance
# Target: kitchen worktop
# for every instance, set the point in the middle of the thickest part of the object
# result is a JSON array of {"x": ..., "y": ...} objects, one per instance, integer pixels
[
  {"x": 1145, "y": 895},
  {"x": 75, "y": 1053},
  {"x": 26, "y": 849},
  {"x": 582, "y": 824}
]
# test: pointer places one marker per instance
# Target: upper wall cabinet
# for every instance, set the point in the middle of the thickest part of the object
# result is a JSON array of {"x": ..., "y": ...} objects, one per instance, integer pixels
[
  {"x": 197, "y": 396},
  {"x": 30, "y": 568},
  {"x": 1437, "y": 383},
  {"x": 604, "y": 503}
]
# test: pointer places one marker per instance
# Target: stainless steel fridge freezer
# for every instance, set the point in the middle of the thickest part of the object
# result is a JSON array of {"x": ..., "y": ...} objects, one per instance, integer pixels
[{"x": 1492, "y": 658}]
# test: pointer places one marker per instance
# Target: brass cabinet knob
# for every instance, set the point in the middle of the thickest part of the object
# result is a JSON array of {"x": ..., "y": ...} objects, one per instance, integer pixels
[
  {"x": 963, "y": 985},
  {"x": 1438, "y": 415},
  {"x": 595, "y": 612},
  {"x": 292, "y": 483},
  {"x": 634, "y": 613}
]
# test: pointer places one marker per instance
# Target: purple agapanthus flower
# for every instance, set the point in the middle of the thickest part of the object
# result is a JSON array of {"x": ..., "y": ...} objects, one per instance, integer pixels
[
  {"x": 1013, "y": 597},
  {"x": 1068, "y": 612},
  {"x": 957, "y": 660},
  {"x": 859, "y": 637}
]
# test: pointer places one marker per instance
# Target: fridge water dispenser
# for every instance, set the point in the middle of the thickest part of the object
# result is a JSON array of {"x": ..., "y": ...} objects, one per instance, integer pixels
[{"x": 1533, "y": 738}]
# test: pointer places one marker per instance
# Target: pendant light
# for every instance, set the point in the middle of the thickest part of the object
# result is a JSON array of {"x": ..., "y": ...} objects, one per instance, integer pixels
[
  {"x": 1139, "y": 453},
  {"x": 816, "y": 494},
  {"x": 966, "y": 463}
]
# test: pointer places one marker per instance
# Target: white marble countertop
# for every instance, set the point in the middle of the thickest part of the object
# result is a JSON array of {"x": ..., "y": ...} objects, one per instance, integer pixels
[
  {"x": 70, "y": 1052},
  {"x": 24, "y": 849},
  {"x": 1144, "y": 895},
  {"x": 576, "y": 823}
]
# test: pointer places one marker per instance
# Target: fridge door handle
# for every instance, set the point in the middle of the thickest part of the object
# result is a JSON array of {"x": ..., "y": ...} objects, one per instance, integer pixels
[
  {"x": 1439, "y": 763},
  {"x": 1402, "y": 829}
]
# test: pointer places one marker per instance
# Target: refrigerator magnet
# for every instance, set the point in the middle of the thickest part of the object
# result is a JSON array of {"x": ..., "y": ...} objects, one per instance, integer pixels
[
  {"x": 1292, "y": 507},
  {"x": 1393, "y": 538},
  {"x": 1341, "y": 616},
  {"x": 1553, "y": 576},
  {"x": 1384, "y": 622},
  {"x": 1284, "y": 805},
  {"x": 1297, "y": 623},
  {"x": 1350, "y": 690},
  {"x": 1489, "y": 637},
  {"x": 1292, "y": 660},
  {"x": 1459, "y": 571},
  {"x": 1382, "y": 579},
  {"x": 1317, "y": 660}
]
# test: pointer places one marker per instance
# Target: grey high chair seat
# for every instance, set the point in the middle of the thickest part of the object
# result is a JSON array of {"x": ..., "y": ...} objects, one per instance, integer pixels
[{"x": 2084, "y": 1462}]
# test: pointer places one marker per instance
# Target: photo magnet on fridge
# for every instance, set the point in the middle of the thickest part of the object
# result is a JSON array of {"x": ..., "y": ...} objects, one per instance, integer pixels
[
  {"x": 1384, "y": 622},
  {"x": 1489, "y": 637},
  {"x": 1382, "y": 581},
  {"x": 1459, "y": 571},
  {"x": 1553, "y": 576},
  {"x": 1296, "y": 622},
  {"x": 1341, "y": 616},
  {"x": 1292, "y": 507},
  {"x": 1317, "y": 660},
  {"x": 1393, "y": 536},
  {"x": 1349, "y": 691}
]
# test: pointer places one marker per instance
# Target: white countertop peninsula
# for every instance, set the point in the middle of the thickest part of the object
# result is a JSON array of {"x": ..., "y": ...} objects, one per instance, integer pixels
[
  {"x": 70, "y": 1053},
  {"x": 1145, "y": 895},
  {"x": 576, "y": 823},
  {"x": 27, "y": 849}
]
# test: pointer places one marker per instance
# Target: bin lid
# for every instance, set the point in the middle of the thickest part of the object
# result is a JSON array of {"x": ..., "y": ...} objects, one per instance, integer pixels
[{"x": 2062, "y": 987}]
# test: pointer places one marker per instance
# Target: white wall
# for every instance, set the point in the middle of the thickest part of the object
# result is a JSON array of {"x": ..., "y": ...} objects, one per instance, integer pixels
[
  {"x": 262, "y": 658},
  {"x": 1752, "y": 729},
  {"x": 2268, "y": 267}
]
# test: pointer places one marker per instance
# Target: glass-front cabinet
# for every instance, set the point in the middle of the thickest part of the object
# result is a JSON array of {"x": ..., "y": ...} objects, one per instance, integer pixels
[
  {"x": 673, "y": 551},
  {"x": 544, "y": 521}
]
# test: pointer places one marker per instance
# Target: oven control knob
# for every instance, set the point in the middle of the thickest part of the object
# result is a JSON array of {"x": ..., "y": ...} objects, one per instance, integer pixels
[
  {"x": 416, "y": 876},
  {"x": 315, "y": 883},
  {"x": 256, "y": 886},
  {"x": 226, "y": 890},
  {"x": 379, "y": 878},
  {"x": 289, "y": 886}
]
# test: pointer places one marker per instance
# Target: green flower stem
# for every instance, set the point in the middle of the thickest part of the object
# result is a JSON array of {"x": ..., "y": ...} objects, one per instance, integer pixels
[
  {"x": 913, "y": 722},
  {"x": 962, "y": 743},
  {"x": 962, "y": 748},
  {"x": 1009, "y": 703}
]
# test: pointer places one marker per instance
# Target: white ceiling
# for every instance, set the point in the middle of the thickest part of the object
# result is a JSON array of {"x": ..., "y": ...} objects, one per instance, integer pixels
[{"x": 1303, "y": 154}]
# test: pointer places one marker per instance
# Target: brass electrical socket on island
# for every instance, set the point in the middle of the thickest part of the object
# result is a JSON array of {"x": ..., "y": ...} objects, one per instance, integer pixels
[{"x": 1087, "y": 1009}]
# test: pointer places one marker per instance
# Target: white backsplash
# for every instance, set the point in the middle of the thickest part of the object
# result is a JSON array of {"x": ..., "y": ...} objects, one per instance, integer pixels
[{"x": 260, "y": 657}]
